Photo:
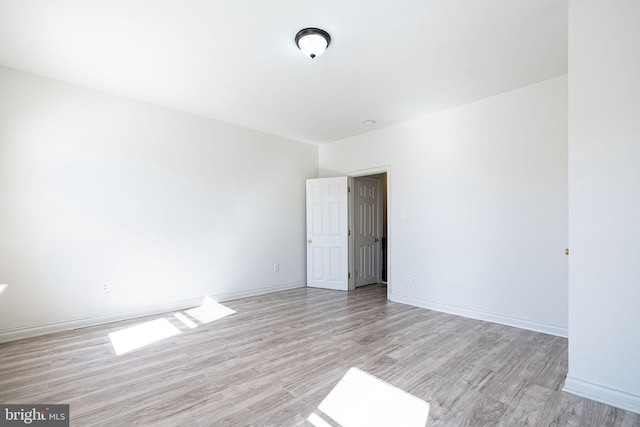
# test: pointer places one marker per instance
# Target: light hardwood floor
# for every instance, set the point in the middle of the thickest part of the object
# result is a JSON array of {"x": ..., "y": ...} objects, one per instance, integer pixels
[{"x": 274, "y": 360}]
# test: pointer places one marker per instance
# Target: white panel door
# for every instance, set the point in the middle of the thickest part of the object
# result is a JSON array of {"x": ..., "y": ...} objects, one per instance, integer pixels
[
  {"x": 327, "y": 233},
  {"x": 367, "y": 230}
]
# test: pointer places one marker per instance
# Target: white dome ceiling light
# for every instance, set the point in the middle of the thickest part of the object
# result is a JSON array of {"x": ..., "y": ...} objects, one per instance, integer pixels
[{"x": 313, "y": 41}]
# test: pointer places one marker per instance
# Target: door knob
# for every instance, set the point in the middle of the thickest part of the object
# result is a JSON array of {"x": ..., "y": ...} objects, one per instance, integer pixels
[
  {"x": 376, "y": 240},
  {"x": 309, "y": 241}
]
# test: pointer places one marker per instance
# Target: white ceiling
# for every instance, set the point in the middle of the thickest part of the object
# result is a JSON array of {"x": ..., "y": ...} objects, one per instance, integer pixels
[{"x": 236, "y": 60}]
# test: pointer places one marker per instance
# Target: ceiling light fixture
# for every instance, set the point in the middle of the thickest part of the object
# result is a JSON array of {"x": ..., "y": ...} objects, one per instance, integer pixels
[
  {"x": 369, "y": 122},
  {"x": 313, "y": 41}
]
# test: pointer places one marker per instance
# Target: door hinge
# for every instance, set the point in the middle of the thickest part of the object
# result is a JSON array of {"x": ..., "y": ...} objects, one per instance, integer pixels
[
  {"x": 349, "y": 275},
  {"x": 349, "y": 232},
  {"x": 348, "y": 189}
]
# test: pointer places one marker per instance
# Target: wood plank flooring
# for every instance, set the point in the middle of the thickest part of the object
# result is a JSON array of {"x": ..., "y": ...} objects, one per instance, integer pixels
[{"x": 274, "y": 360}]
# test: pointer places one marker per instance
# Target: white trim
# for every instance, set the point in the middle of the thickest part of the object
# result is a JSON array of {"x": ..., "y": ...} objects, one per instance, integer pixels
[
  {"x": 47, "y": 328},
  {"x": 351, "y": 255},
  {"x": 502, "y": 319},
  {"x": 599, "y": 393},
  {"x": 259, "y": 291},
  {"x": 370, "y": 171}
]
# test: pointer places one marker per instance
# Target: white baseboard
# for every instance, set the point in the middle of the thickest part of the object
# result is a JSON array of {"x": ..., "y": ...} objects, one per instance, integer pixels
[
  {"x": 619, "y": 399},
  {"x": 42, "y": 329},
  {"x": 259, "y": 291},
  {"x": 531, "y": 325}
]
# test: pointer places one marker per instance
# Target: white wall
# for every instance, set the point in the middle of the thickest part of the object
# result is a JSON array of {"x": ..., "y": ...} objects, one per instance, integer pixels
[
  {"x": 484, "y": 186},
  {"x": 604, "y": 190},
  {"x": 166, "y": 206}
]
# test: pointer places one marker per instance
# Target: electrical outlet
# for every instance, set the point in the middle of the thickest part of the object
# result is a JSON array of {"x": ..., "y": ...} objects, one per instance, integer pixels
[
  {"x": 276, "y": 268},
  {"x": 105, "y": 287},
  {"x": 407, "y": 279}
]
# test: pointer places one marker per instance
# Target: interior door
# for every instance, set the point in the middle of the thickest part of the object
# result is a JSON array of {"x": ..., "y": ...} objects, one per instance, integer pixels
[
  {"x": 367, "y": 229},
  {"x": 327, "y": 233}
]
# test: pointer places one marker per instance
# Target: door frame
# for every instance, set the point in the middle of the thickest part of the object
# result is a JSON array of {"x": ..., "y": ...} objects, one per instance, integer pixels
[{"x": 386, "y": 169}]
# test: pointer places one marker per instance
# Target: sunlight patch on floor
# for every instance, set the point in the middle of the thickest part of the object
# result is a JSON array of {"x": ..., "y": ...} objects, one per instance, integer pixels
[
  {"x": 360, "y": 399},
  {"x": 184, "y": 319},
  {"x": 209, "y": 311},
  {"x": 138, "y": 336},
  {"x": 317, "y": 421},
  {"x": 134, "y": 337}
]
